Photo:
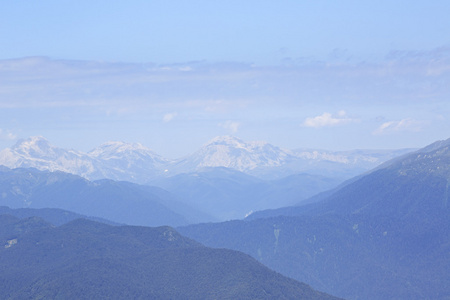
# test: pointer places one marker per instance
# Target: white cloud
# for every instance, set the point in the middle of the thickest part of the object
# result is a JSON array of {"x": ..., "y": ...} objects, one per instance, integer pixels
[
  {"x": 327, "y": 119},
  {"x": 7, "y": 135},
  {"x": 233, "y": 126},
  {"x": 107, "y": 85},
  {"x": 396, "y": 126},
  {"x": 169, "y": 117}
]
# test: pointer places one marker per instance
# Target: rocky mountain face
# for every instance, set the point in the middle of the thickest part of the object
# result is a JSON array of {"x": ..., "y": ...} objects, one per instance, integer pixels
[{"x": 384, "y": 235}]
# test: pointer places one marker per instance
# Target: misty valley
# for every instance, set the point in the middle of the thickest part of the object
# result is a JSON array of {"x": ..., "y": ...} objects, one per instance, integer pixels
[{"x": 235, "y": 220}]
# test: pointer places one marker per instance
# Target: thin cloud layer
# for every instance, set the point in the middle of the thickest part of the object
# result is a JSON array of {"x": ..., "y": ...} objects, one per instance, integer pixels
[
  {"x": 232, "y": 126},
  {"x": 7, "y": 135},
  {"x": 169, "y": 117},
  {"x": 42, "y": 82},
  {"x": 42, "y": 96},
  {"x": 399, "y": 126},
  {"x": 327, "y": 120}
]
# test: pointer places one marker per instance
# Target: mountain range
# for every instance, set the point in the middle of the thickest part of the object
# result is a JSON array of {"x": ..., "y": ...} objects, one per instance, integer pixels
[
  {"x": 121, "y": 202},
  {"x": 226, "y": 179},
  {"x": 112, "y": 160},
  {"x": 228, "y": 194},
  {"x": 415, "y": 185},
  {"x": 138, "y": 164},
  {"x": 212, "y": 194},
  {"x": 382, "y": 235},
  {"x": 88, "y": 260}
]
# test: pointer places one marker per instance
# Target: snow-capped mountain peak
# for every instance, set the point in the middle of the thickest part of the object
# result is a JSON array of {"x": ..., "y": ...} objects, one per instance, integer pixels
[
  {"x": 114, "y": 160},
  {"x": 39, "y": 148},
  {"x": 132, "y": 152},
  {"x": 136, "y": 163},
  {"x": 113, "y": 148},
  {"x": 234, "y": 142},
  {"x": 37, "y": 152},
  {"x": 231, "y": 141},
  {"x": 227, "y": 140},
  {"x": 36, "y": 146},
  {"x": 231, "y": 152}
]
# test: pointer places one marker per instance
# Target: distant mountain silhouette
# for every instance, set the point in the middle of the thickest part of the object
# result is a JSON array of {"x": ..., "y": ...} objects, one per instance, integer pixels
[
  {"x": 121, "y": 202},
  {"x": 229, "y": 194},
  {"x": 54, "y": 216}
]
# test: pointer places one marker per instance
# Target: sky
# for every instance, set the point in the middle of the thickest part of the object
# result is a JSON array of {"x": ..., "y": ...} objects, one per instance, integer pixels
[{"x": 171, "y": 75}]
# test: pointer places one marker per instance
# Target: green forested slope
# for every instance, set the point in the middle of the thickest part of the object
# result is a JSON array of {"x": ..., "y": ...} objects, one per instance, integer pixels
[{"x": 88, "y": 260}]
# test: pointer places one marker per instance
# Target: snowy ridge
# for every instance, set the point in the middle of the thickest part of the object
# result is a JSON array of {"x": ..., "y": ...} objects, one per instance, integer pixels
[
  {"x": 36, "y": 152},
  {"x": 136, "y": 163},
  {"x": 113, "y": 160},
  {"x": 118, "y": 150},
  {"x": 234, "y": 153},
  {"x": 128, "y": 156},
  {"x": 347, "y": 157}
]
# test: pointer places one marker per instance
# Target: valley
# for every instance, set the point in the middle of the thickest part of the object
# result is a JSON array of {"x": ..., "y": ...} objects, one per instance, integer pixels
[{"x": 381, "y": 234}]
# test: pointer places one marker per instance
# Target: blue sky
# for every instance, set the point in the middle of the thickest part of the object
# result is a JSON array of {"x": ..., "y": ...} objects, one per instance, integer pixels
[{"x": 174, "y": 74}]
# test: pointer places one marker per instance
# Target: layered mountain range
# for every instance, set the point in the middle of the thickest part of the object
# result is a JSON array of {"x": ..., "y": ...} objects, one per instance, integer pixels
[
  {"x": 118, "y": 201},
  {"x": 226, "y": 179},
  {"x": 382, "y": 235},
  {"x": 136, "y": 163},
  {"x": 416, "y": 185}
]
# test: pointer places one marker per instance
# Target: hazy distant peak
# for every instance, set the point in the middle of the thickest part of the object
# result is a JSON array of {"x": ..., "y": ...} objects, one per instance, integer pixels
[
  {"x": 39, "y": 147},
  {"x": 133, "y": 152},
  {"x": 34, "y": 142},
  {"x": 37, "y": 152},
  {"x": 122, "y": 144},
  {"x": 114, "y": 146},
  {"x": 226, "y": 140},
  {"x": 235, "y": 142},
  {"x": 232, "y": 152}
]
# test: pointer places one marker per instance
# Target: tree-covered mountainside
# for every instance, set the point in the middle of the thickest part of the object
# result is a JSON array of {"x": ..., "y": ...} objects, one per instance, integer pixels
[
  {"x": 416, "y": 185},
  {"x": 351, "y": 257},
  {"x": 385, "y": 235},
  {"x": 87, "y": 260}
]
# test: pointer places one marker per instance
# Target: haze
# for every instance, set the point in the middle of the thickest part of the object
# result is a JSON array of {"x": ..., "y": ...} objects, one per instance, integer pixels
[{"x": 173, "y": 75}]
